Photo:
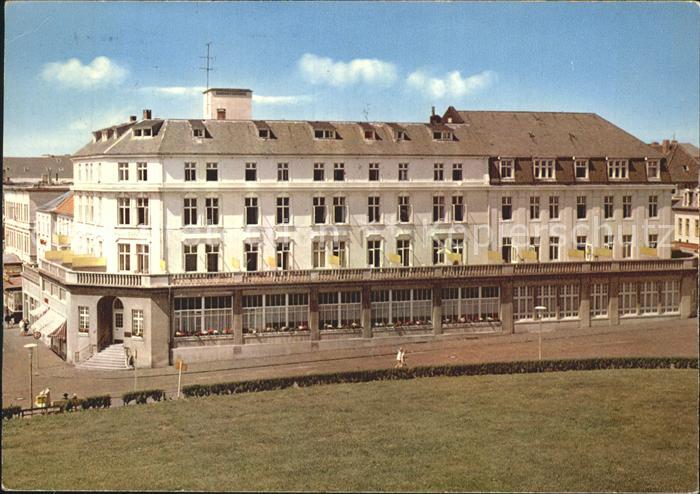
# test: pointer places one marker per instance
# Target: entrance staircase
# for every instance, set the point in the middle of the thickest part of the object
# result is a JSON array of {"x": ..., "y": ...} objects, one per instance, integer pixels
[{"x": 111, "y": 358}]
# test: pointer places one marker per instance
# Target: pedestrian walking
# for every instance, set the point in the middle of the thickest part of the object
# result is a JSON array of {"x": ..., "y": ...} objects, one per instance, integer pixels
[
  {"x": 400, "y": 359},
  {"x": 22, "y": 327}
]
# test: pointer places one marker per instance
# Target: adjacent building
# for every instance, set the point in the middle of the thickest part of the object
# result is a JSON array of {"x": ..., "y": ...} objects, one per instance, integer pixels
[
  {"x": 684, "y": 167},
  {"x": 227, "y": 237}
]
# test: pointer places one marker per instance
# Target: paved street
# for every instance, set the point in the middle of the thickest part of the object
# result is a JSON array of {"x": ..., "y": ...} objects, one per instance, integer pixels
[{"x": 669, "y": 338}]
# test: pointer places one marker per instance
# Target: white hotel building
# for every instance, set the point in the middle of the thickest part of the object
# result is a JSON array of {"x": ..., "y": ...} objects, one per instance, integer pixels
[{"x": 226, "y": 237}]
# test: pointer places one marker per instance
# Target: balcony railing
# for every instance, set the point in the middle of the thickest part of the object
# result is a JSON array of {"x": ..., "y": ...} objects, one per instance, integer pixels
[
  {"x": 31, "y": 273},
  {"x": 362, "y": 274}
]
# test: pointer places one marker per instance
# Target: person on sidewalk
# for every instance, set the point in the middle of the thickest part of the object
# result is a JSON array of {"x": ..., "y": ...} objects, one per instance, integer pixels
[
  {"x": 400, "y": 359},
  {"x": 22, "y": 327}
]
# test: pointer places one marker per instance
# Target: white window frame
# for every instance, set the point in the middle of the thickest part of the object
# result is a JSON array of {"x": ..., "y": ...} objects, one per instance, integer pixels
[
  {"x": 618, "y": 169},
  {"x": 544, "y": 169}
]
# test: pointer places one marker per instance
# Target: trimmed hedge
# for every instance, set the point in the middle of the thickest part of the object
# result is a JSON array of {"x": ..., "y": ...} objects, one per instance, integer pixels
[
  {"x": 104, "y": 401},
  {"x": 11, "y": 411},
  {"x": 141, "y": 397},
  {"x": 491, "y": 368}
]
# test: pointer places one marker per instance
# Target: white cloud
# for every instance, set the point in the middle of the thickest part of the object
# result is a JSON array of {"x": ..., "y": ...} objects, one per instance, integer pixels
[
  {"x": 175, "y": 90},
  {"x": 324, "y": 70},
  {"x": 72, "y": 73},
  {"x": 280, "y": 100},
  {"x": 452, "y": 84},
  {"x": 189, "y": 91}
]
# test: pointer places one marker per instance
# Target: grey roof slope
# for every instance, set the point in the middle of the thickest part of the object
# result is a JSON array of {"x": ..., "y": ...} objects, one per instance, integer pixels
[
  {"x": 549, "y": 134},
  {"x": 476, "y": 134},
  {"x": 32, "y": 168},
  {"x": 690, "y": 149},
  {"x": 55, "y": 203}
]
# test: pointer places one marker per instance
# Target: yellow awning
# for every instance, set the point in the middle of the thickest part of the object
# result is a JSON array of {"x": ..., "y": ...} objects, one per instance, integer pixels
[
  {"x": 494, "y": 256},
  {"x": 648, "y": 251},
  {"x": 528, "y": 254},
  {"x": 578, "y": 254},
  {"x": 89, "y": 262},
  {"x": 602, "y": 252}
]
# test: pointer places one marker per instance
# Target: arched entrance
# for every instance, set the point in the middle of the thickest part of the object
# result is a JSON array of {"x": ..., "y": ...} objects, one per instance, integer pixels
[{"x": 110, "y": 321}]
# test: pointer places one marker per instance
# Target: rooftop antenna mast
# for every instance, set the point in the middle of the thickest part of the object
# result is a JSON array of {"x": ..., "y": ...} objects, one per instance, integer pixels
[{"x": 208, "y": 67}]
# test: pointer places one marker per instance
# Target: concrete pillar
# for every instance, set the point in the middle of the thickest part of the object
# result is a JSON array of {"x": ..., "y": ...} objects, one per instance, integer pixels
[
  {"x": 584, "y": 307},
  {"x": 313, "y": 314},
  {"x": 507, "y": 325},
  {"x": 437, "y": 309},
  {"x": 613, "y": 303},
  {"x": 237, "y": 318},
  {"x": 686, "y": 296},
  {"x": 366, "y": 312}
]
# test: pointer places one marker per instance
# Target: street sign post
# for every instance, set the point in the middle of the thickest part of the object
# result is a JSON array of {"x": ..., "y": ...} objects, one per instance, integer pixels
[{"x": 180, "y": 365}]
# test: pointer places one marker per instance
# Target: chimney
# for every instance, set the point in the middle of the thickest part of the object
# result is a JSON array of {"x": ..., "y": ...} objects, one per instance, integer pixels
[
  {"x": 665, "y": 146},
  {"x": 432, "y": 113},
  {"x": 147, "y": 114},
  {"x": 132, "y": 118}
]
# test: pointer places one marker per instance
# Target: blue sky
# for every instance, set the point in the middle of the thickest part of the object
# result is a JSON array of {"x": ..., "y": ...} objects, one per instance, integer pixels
[{"x": 73, "y": 67}]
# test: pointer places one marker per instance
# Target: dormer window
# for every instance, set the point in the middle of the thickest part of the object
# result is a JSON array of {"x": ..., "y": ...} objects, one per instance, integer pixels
[
  {"x": 617, "y": 169},
  {"x": 653, "y": 170},
  {"x": 544, "y": 169},
  {"x": 581, "y": 169},
  {"x": 137, "y": 132},
  {"x": 198, "y": 132},
  {"x": 401, "y": 135},
  {"x": 506, "y": 168},
  {"x": 442, "y": 135},
  {"x": 147, "y": 132},
  {"x": 370, "y": 135},
  {"x": 264, "y": 133},
  {"x": 324, "y": 134}
]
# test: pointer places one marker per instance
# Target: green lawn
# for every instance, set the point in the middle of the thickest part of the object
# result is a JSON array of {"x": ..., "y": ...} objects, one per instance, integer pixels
[{"x": 623, "y": 430}]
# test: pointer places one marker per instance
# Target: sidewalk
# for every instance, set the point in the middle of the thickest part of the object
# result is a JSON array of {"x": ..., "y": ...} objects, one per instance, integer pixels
[{"x": 668, "y": 338}]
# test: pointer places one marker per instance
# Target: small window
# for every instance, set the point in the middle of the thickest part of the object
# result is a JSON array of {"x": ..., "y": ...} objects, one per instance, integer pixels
[
  {"x": 319, "y": 172},
  {"x": 581, "y": 207},
  {"x": 506, "y": 208},
  {"x": 370, "y": 135},
  {"x": 198, "y": 132},
  {"x": 190, "y": 172},
  {"x": 142, "y": 172},
  {"x": 212, "y": 172},
  {"x": 283, "y": 172},
  {"x": 137, "y": 132},
  {"x": 374, "y": 172},
  {"x": 147, "y": 132},
  {"x": 438, "y": 172},
  {"x": 264, "y": 133},
  {"x": 544, "y": 170},
  {"x": 339, "y": 172},
  {"x": 653, "y": 170},
  {"x": 403, "y": 172},
  {"x": 324, "y": 134},
  {"x": 457, "y": 172},
  {"x": 401, "y": 135},
  {"x": 617, "y": 169},
  {"x": 442, "y": 135},
  {"x": 221, "y": 113},
  {"x": 506, "y": 167},
  {"x": 581, "y": 168},
  {"x": 251, "y": 172}
]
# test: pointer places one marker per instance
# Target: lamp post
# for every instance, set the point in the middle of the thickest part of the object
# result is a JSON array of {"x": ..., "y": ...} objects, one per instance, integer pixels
[
  {"x": 539, "y": 310},
  {"x": 31, "y": 347}
]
